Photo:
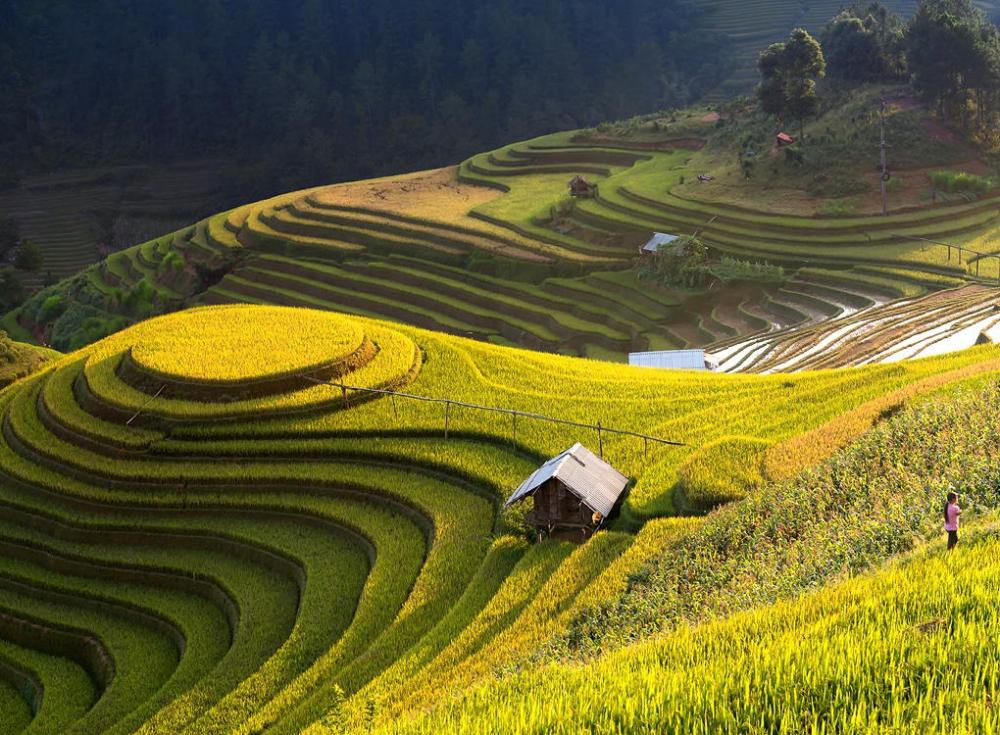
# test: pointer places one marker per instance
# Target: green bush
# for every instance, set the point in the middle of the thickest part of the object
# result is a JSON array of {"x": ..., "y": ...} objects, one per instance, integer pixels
[
  {"x": 51, "y": 306},
  {"x": 838, "y": 207},
  {"x": 732, "y": 269},
  {"x": 82, "y": 324},
  {"x": 961, "y": 182}
]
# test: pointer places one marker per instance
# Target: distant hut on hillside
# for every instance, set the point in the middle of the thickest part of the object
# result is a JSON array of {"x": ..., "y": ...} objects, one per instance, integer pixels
[
  {"x": 574, "y": 494},
  {"x": 661, "y": 242},
  {"x": 784, "y": 139},
  {"x": 581, "y": 188}
]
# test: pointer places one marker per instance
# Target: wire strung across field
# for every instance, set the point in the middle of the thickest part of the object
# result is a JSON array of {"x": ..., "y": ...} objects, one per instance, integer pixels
[{"x": 514, "y": 413}]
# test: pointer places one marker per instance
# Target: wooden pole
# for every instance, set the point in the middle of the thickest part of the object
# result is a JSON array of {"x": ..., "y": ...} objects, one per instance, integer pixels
[
  {"x": 600, "y": 439},
  {"x": 513, "y": 417},
  {"x": 447, "y": 416},
  {"x": 882, "y": 146}
]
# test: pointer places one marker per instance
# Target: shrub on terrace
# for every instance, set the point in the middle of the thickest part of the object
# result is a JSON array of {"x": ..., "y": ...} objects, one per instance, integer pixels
[{"x": 961, "y": 182}]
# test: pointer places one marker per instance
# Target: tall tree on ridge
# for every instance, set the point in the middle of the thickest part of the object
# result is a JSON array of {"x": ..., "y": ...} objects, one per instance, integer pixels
[{"x": 788, "y": 77}]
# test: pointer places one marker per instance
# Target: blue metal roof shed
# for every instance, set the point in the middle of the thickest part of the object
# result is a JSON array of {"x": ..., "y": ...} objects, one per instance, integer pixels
[
  {"x": 669, "y": 359},
  {"x": 660, "y": 240}
]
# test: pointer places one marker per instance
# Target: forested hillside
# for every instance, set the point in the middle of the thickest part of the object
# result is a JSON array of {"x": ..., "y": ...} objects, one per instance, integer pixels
[{"x": 315, "y": 91}]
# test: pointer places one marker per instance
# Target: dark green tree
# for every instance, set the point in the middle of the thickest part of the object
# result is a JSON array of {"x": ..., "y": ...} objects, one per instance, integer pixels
[
  {"x": 788, "y": 77},
  {"x": 953, "y": 53},
  {"x": 256, "y": 81},
  {"x": 29, "y": 257},
  {"x": 12, "y": 293},
  {"x": 10, "y": 235},
  {"x": 864, "y": 43}
]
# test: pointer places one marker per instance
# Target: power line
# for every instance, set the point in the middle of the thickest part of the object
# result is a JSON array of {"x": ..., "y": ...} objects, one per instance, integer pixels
[{"x": 513, "y": 413}]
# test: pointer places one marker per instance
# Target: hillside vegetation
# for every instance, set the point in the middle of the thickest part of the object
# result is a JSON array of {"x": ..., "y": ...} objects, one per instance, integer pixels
[
  {"x": 18, "y": 359},
  {"x": 906, "y": 650},
  {"x": 205, "y": 541},
  {"x": 498, "y": 250},
  {"x": 751, "y": 27},
  {"x": 782, "y": 245},
  {"x": 324, "y": 91}
]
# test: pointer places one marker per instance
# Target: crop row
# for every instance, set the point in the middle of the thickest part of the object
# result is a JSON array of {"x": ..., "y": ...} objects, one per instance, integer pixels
[
  {"x": 373, "y": 567},
  {"x": 66, "y": 468}
]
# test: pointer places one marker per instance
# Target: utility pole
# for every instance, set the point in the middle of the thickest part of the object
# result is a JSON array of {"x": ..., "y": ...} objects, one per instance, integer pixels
[{"x": 882, "y": 146}]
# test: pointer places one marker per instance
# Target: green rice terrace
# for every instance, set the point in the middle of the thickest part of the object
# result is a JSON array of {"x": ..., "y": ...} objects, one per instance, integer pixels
[
  {"x": 205, "y": 530},
  {"x": 70, "y": 214},
  {"x": 377, "y": 458},
  {"x": 497, "y": 249}
]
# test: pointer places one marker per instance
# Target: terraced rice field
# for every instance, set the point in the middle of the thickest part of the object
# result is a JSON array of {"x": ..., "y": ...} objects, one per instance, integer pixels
[
  {"x": 885, "y": 652},
  {"x": 945, "y": 321},
  {"x": 493, "y": 250},
  {"x": 66, "y": 213},
  {"x": 199, "y": 537}
]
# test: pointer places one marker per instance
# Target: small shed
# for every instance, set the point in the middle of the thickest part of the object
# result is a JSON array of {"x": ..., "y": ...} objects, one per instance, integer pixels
[
  {"x": 783, "y": 139},
  {"x": 661, "y": 242},
  {"x": 574, "y": 493},
  {"x": 670, "y": 359},
  {"x": 581, "y": 188}
]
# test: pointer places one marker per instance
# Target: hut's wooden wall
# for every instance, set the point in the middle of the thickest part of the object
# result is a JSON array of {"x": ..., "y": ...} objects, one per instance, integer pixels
[{"x": 555, "y": 505}]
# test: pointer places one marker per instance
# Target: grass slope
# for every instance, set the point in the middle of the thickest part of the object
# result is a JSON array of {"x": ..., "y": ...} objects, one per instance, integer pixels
[
  {"x": 496, "y": 248},
  {"x": 224, "y": 547},
  {"x": 18, "y": 359}
]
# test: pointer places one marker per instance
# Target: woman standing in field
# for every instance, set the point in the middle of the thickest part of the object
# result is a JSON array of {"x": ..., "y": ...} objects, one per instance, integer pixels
[{"x": 951, "y": 514}]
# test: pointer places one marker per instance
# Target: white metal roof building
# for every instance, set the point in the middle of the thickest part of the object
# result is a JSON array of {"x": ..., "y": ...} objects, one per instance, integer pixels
[
  {"x": 659, "y": 240},
  {"x": 670, "y": 359},
  {"x": 596, "y": 483}
]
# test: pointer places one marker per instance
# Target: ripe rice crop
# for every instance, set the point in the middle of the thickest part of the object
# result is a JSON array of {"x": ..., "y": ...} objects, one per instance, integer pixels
[
  {"x": 337, "y": 563},
  {"x": 232, "y": 345}
]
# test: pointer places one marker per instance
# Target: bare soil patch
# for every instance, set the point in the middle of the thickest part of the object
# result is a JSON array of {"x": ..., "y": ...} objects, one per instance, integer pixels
[
  {"x": 912, "y": 187},
  {"x": 435, "y": 194},
  {"x": 940, "y": 132}
]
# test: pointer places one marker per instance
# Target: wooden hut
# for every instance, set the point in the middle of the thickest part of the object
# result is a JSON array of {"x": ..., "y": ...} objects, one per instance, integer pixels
[
  {"x": 581, "y": 188},
  {"x": 574, "y": 494}
]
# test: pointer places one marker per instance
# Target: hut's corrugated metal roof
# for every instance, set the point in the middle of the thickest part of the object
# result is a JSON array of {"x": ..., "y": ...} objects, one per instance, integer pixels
[
  {"x": 590, "y": 478},
  {"x": 658, "y": 240}
]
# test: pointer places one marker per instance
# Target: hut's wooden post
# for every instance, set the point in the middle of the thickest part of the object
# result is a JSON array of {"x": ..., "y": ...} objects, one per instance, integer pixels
[{"x": 343, "y": 394}]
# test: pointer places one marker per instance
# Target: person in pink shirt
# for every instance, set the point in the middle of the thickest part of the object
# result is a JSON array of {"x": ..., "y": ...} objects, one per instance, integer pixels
[{"x": 951, "y": 514}]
